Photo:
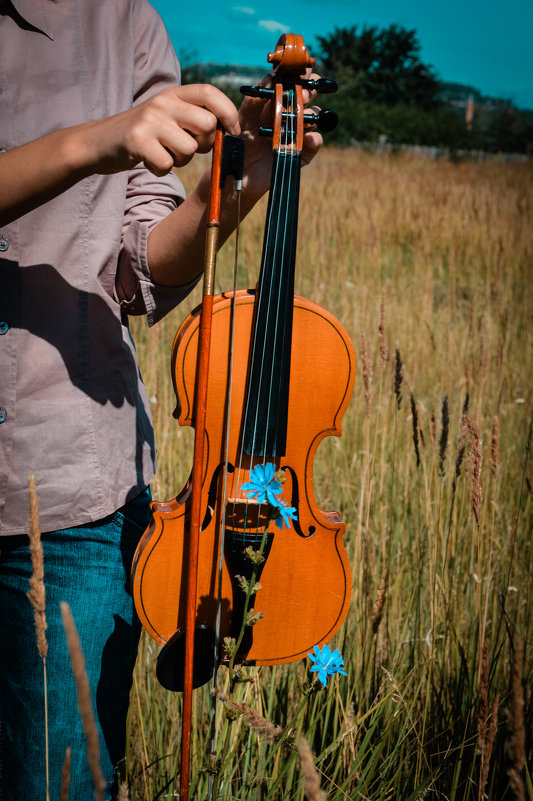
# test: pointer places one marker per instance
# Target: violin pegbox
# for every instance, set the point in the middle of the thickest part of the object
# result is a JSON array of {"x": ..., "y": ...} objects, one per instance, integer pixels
[
  {"x": 291, "y": 56},
  {"x": 290, "y": 61}
]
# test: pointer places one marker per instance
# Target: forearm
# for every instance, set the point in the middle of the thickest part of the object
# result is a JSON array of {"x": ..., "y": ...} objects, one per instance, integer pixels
[
  {"x": 176, "y": 245},
  {"x": 38, "y": 171},
  {"x": 164, "y": 131}
]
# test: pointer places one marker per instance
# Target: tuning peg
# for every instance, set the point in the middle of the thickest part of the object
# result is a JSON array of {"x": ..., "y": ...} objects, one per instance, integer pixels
[
  {"x": 324, "y": 86},
  {"x": 325, "y": 120},
  {"x": 257, "y": 91}
]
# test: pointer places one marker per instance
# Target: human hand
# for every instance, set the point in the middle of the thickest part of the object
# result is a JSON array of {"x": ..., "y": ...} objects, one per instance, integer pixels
[
  {"x": 164, "y": 131},
  {"x": 176, "y": 245},
  {"x": 255, "y": 112}
]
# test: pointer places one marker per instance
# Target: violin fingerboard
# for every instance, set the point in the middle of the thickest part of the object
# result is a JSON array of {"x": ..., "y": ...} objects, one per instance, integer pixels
[{"x": 266, "y": 407}]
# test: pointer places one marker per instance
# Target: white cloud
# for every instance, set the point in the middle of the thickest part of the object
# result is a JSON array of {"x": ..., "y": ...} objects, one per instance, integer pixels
[
  {"x": 244, "y": 10},
  {"x": 272, "y": 26}
]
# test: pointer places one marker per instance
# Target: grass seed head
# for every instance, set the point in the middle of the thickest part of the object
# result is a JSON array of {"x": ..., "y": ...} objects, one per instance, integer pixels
[
  {"x": 383, "y": 349},
  {"x": 414, "y": 414},
  {"x": 311, "y": 778},
  {"x": 398, "y": 376},
  {"x": 77, "y": 661},
  {"x": 379, "y": 605},
  {"x": 123, "y": 792},
  {"x": 475, "y": 455},
  {"x": 444, "y": 432},
  {"x": 36, "y": 594},
  {"x": 65, "y": 776},
  {"x": 367, "y": 373},
  {"x": 495, "y": 446}
]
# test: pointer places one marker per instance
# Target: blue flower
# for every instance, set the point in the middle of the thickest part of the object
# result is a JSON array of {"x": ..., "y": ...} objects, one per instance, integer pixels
[
  {"x": 286, "y": 513},
  {"x": 327, "y": 663},
  {"x": 262, "y": 485}
]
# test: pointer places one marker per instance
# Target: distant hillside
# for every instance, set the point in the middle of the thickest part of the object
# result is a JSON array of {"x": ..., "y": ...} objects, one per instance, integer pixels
[
  {"x": 229, "y": 76},
  {"x": 458, "y": 94}
]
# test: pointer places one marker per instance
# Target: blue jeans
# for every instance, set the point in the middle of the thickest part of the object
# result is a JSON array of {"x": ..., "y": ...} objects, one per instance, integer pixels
[{"x": 89, "y": 568}]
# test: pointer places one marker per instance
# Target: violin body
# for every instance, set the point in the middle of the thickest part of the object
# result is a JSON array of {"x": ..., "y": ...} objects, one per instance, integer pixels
[{"x": 305, "y": 580}]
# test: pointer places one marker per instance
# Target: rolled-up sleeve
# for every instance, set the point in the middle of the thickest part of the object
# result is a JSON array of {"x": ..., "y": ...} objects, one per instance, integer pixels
[{"x": 148, "y": 198}]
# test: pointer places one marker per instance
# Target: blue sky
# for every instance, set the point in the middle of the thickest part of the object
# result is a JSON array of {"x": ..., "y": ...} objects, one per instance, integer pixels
[{"x": 476, "y": 42}]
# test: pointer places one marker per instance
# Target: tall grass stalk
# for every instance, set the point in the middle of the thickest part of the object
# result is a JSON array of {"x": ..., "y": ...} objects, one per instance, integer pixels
[{"x": 37, "y": 598}]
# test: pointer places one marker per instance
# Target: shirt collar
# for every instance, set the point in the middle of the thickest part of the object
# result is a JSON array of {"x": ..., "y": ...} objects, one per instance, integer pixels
[{"x": 38, "y": 13}]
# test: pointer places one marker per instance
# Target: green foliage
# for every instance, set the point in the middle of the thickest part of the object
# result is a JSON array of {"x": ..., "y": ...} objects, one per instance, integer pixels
[
  {"x": 382, "y": 66},
  {"x": 367, "y": 121},
  {"x": 193, "y": 73},
  {"x": 510, "y": 131},
  {"x": 387, "y": 91}
]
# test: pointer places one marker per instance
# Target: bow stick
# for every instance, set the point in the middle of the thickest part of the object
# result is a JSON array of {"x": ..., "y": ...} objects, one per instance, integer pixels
[{"x": 228, "y": 158}]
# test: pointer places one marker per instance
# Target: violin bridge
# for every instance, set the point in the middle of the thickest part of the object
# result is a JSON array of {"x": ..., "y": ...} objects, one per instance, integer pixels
[
  {"x": 246, "y": 515},
  {"x": 249, "y": 501}
]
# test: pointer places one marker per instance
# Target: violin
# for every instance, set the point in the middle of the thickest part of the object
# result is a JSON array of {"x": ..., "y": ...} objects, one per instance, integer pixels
[{"x": 276, "y": 380}]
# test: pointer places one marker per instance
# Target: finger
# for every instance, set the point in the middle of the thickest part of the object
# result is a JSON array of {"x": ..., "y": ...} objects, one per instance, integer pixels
[
  {"x": 312, "y": 143},
  {"x": 212, "y": 99},
  {"x": 174, "y": 148},
  {"x": 310, "y": 94},
  {"x": 193, "y": 121},
  {"x": 311, "y": 117},
  {"x": 252, "y": 109}
]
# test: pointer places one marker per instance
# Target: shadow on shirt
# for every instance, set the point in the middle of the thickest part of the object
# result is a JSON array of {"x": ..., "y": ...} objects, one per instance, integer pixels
[{"x": 92, "y": 348}]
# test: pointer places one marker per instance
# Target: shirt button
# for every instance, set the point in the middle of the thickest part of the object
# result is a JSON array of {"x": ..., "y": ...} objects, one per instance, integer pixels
[
  {"x": 3, "y": 415},
  {"x": 4, "y": 244},
  {"x": 4, "y": 327}
]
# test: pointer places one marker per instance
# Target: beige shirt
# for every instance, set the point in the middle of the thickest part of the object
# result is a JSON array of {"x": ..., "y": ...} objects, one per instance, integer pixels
[{"x": 72, "y": 405}]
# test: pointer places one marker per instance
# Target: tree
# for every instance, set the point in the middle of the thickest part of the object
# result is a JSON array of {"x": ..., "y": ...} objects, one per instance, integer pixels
[
  {"x": 509, "y": 131},
  {"x": 192, "y": 70},
  {"x": 382, "y": 66}
]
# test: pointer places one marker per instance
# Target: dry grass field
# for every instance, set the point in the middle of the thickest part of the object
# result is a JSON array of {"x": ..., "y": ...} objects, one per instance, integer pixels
[{"x": 428, "y": 265}]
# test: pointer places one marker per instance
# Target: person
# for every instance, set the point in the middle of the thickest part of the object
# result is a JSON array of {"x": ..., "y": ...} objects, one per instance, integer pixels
[{"x": 94, "y": 226}]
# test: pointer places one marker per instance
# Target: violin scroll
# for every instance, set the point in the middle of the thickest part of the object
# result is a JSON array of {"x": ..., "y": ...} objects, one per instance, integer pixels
[{"x": 291, "y": 62}]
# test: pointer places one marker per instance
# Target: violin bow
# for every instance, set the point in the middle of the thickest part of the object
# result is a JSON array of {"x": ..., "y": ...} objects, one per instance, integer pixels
[{"x": 227, "y": 159}]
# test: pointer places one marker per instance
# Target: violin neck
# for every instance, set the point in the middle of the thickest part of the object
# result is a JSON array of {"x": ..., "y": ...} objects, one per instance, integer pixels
[{"x": 266, "y": 409}]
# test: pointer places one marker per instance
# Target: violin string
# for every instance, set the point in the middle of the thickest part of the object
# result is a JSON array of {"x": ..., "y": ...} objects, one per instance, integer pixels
[
  {"x": 279, "y": 241},
  {"x": 281, "y": 237},
  {"x": 255, "y": 345},
  {"x": 271, "y": 299},
  {"x": 282, "y": 242},
  {"x": 227, "y": 427},
  {"x": 279, "y": 179}
]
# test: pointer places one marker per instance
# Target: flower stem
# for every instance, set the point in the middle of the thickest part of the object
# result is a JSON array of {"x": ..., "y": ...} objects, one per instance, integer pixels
[{"x": 249, "y": 593}]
